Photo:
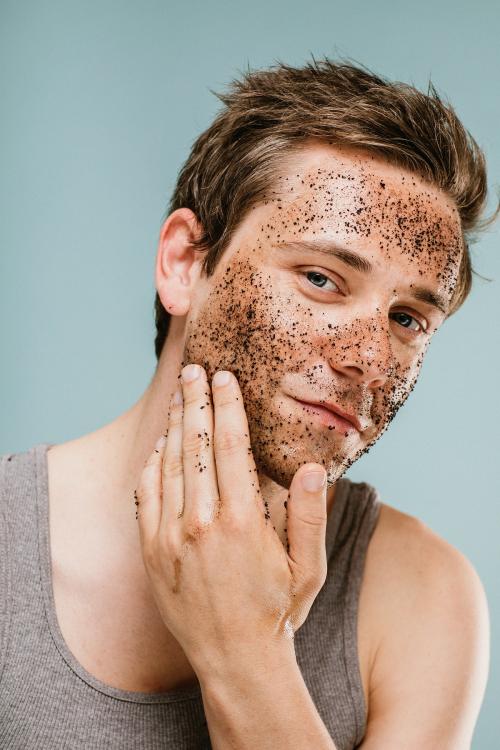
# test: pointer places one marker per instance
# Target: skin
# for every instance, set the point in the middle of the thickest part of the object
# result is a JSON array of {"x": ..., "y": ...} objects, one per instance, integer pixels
[{"x": 334, "y": 336}]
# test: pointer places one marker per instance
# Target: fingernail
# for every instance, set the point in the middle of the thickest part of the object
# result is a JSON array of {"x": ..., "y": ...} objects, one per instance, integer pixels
[
  {"x": 313, "y": 481},
  {"x": 190, "y": 373},
  {"x": 177, "y": 397},
  {"x": 222, "y": 377}
]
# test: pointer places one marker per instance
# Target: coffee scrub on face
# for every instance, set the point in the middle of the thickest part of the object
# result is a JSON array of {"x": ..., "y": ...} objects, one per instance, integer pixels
[{"x": 285, "y": 338}]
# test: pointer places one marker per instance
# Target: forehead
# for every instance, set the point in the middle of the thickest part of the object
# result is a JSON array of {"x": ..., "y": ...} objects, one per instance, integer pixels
[
  {"x": 355, "y": 188},
  {"x": 359, "y": 200}
]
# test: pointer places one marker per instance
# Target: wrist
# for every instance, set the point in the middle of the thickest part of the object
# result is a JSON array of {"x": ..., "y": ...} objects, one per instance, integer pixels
[{"x": 244, "y": 663}]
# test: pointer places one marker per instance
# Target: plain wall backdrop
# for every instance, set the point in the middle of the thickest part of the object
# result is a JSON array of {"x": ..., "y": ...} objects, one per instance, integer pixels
[{"x": 100, "y": 103}]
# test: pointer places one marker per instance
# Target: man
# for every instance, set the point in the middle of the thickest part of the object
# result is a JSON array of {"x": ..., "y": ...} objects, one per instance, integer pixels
[{"x": 316, "y": 241}]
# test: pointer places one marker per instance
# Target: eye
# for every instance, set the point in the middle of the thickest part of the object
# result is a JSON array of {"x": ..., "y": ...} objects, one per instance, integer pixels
[
  {"x": 319, "y": 280},
  {"x": 407, "y": 319}
]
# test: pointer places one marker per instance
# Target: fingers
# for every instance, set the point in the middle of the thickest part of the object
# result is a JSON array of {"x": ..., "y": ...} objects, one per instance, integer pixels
[
  {"x": 172, "y": 469},
  {"x": 148, "y": 494},
  {"x": 236, "y": 471},
  {"x": 307, "y": 519},
  {"x": 201, "y": 495},
  {"x": 201, "y": 468}
]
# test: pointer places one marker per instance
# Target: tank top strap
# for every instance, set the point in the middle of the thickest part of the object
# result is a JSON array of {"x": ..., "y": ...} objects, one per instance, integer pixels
[
  {"x": 5, "y": 566},
  {"x": 326, "y": 645},
  {"x": 351, "y": 523},
  {"x": 19, "y": 504},
  {"x": 20, "y": 588}
]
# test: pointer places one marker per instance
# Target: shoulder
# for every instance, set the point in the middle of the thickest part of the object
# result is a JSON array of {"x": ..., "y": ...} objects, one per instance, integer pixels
[
  {"x": 429, "y": 619},
  {"x": 413, "y": 560}
]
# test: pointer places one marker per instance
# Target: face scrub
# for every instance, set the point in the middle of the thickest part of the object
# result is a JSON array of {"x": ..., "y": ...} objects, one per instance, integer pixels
[{"x": 285, "y": 338}]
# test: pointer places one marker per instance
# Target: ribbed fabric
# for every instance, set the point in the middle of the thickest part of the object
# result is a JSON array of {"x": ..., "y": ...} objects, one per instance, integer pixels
[{"x": 48, "y": 701}]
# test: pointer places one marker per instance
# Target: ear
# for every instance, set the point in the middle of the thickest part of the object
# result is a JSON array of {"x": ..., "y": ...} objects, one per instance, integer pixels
[{"x": 177, "y": 268}]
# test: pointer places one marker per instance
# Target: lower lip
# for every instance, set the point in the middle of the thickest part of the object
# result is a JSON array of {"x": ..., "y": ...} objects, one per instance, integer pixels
[{"x": 328, "y": 418}]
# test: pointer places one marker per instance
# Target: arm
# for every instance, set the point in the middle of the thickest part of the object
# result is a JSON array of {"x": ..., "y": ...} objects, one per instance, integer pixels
[
  {"x": 431, "y": 668},
  {"x": 266, "y": 707},
  {"x": 430, "y": 671},
  {"x": 225, "y": 586}
]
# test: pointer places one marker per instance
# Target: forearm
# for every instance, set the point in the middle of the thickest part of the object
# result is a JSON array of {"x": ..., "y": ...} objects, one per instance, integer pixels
[{"x": 262, "y": 703}]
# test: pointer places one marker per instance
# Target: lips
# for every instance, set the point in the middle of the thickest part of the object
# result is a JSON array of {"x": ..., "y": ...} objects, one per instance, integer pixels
[
  {"x": 344, "y": 414},
  {"x": 332, "y": 415}
]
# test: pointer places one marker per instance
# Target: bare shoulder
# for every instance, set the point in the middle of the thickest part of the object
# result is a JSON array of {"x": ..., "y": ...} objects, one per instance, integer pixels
[
  {"x": 406, "y": 553},
  {"x": 427, "y": 612}
]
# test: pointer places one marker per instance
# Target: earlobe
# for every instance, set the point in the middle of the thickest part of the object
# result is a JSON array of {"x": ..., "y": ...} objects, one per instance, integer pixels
[
  {"x": 174, "y": 303},
  {"x": 177, "y": 268}
]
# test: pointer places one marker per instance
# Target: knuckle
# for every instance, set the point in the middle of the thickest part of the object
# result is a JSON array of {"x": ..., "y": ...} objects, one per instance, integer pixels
[
  {"x": 173, "y": 466},
  {"x": 229, "y": 441},
  {"x": 225, "y": 398},
  {"x": 194, "y": 529},
  {"x": 207, "y": 502},
  {"x": 233, "y": 523},
  {"x": 193, "y": 443},
  {"x": 175, "y": 418},
  {"x": 195, "y": 397},
  {"x": 314, "y": 519},
  {"x": 321, "y": 575},
  {"x": 313, "y": 580},
  {"x": 190, "y": 398}
]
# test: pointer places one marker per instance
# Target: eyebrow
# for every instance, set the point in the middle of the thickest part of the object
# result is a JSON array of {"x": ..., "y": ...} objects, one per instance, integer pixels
[{"x": 361, "y": 264}]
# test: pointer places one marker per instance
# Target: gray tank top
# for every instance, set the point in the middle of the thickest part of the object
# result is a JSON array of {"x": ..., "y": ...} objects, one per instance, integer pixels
[{"x": 48, "y": 701}]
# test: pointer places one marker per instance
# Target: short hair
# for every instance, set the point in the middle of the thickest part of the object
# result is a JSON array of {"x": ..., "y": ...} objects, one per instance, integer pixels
[{"x": 268, "y": 112}]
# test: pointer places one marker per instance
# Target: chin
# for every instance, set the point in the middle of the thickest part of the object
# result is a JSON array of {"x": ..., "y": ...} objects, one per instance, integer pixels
[{"x": 283, "y": 470}]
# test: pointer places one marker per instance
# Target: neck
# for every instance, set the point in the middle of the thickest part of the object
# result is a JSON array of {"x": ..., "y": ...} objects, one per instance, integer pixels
[{"x": 114, "y": 455}]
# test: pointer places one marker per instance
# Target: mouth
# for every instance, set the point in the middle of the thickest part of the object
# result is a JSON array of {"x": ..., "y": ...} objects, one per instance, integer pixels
[{"x": 329, "y": 418}]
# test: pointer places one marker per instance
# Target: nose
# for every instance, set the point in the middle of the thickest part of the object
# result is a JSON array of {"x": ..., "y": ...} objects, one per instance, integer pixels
[{"x": 364, "y": 354}]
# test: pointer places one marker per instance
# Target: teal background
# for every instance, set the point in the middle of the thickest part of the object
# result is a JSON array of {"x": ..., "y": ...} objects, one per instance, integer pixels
[{"x": 100, "y": 102}]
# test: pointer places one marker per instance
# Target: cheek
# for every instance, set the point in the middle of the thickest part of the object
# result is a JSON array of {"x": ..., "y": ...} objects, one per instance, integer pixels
[
  {"x": 246, "y": 326},
  {"x": 397, "y": 390},
  {"x": 262, "y": 333}
]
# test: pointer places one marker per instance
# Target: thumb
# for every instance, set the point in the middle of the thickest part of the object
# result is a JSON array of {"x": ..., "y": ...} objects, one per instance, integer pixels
[{"x": 307, "y": 517}]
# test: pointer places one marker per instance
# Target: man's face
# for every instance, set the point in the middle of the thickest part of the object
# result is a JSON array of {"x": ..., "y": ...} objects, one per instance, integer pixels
[{"x": 296, "y": 324}]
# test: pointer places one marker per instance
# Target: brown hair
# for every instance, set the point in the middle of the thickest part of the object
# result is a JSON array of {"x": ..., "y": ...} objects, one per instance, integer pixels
[{"x": 268, "y": 112}]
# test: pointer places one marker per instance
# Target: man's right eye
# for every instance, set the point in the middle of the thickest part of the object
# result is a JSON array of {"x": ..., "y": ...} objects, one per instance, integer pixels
[{"x": 319, "y": 280}]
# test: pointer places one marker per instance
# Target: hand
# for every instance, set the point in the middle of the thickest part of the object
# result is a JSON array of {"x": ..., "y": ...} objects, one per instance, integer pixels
[{"x": 220, "y": 575}]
